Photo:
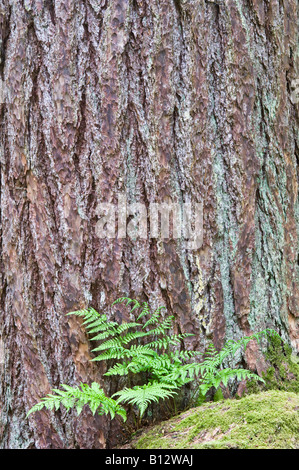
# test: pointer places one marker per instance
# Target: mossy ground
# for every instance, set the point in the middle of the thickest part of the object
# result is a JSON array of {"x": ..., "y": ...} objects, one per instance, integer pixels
[{"x": 267, "y": 420}]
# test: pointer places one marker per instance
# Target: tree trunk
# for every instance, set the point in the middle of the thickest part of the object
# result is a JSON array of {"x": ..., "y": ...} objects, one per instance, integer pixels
[{"x": 162, "y": 101}]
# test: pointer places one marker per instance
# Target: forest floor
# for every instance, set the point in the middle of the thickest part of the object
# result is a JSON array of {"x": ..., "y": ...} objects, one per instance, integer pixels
[{"x": 265, "y": 420}]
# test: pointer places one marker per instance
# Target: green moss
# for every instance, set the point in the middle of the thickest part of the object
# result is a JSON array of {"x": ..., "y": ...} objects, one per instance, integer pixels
[
  {"x": 218, "y": 395},
  {"x": 264, "y": 420},
  {"x": 283, "y": 373}
]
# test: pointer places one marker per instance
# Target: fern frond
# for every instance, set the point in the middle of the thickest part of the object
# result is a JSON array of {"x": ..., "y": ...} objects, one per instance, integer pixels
[
  {"x": 231, "y": 347},
  {"x": 115, "y": 331},
  {"x": 89, "y": 312},
  {"x": 104, "y": 325},
  {"x": 127, "y": 326},
  {"x": 94, "y": 321},
  {"x": 109, "y": 344},
  {"x": 132, "y": 336},
  {"x": 136, "y": 366},
  {"x": 190, "y": 371},
  {"x": 167, "y": 340},
  {"x": 120, "y": 300},
  {"x": 162, "y": 343},
  {"x": 145, "y": 311},
  {"x": 163, "y": 327},
  {"x": 128, "y": 300},
  {"x": 142, "y": 396},
  {"x": 118, "y": 369},
  {"x": 121, "y": 353},
  {"x": 215, "y": 378},
  {"x": 119, "y": 341},
  {"x": 139, "y": 351},
  {"x": 75, "y": 397},
  {"x": 154, "y": 318},
  {"x": 104, "y": 335},
  {"x": 113, "y": 353}
]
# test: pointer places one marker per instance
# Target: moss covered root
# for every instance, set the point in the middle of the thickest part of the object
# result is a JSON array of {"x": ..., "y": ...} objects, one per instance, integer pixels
[{"x": 264, "y": 420}]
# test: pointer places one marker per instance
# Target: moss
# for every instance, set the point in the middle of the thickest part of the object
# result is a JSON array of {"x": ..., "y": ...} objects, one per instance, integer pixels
[
  {"x": 283, "y": 373},
  {"x": 218, "y": 395},
  {"x": 264, "y": 420}
]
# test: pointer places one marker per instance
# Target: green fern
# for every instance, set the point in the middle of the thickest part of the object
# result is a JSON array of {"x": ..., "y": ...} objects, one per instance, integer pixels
[
  {"x": 213, "y": 371},
  {"x": 143, "y": 346},
  {"x": 128, "y": 300},
  {"x": 142, "y": 396},
  {"x": 145, "y": 311},
  {"x": 76, "y": 398},
  {"x": 166, "y": 341}
]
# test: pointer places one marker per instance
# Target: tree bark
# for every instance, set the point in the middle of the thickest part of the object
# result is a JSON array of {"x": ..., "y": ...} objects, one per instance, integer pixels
[{"x": 161, "y": 100}]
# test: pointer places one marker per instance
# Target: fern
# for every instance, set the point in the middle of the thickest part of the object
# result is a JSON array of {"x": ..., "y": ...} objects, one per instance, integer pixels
[
  {"x": 210, "y": 371},
  {"x": 142, "y": 396},
  {"x": 154, "y": 317},
  {"x": 76, "y": 398},
  {"x": 163, "y": 327},
  {"x": 128, "y": 300},
  {"x": 142, "y": 346},
  {"x": 145, "y": 311}
]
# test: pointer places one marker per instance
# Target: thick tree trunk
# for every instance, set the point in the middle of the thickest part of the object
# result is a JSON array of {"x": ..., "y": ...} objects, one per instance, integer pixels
[{"x": 162, "y": 100}]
